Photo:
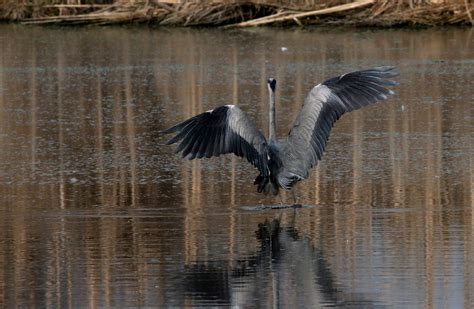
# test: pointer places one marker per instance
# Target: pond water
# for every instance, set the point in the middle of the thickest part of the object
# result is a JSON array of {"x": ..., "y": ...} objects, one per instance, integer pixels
[{"x": 96, "y": 212}]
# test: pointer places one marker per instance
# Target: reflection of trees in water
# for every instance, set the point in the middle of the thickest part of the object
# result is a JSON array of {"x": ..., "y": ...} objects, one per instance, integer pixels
[{"x": 287, "y": 271}]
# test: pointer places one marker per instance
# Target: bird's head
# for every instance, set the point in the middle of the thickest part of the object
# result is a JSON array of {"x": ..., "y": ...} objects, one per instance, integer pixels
[{"x": 272, "y": 83}]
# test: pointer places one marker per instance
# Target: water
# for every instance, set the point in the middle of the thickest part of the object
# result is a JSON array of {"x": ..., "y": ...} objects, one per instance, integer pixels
[{"x": 95, "y": 212}]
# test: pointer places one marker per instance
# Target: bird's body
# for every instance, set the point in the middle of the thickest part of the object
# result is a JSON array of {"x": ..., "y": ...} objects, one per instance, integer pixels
[{"x": 283, "y": 163}]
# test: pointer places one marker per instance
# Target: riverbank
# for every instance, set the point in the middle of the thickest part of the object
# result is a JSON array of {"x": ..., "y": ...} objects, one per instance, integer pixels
[{"x": 241, "y": 14}]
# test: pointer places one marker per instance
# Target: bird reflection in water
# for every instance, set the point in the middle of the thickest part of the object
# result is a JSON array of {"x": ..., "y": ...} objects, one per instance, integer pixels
[{"x": 286, "y": 271}]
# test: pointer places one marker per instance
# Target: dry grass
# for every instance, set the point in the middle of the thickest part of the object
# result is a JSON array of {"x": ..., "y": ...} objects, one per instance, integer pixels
[{"x": 238, "y": 13}]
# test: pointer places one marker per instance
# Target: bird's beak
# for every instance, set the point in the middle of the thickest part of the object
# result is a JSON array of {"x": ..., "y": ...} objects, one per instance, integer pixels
[{"x": 272, "y": 84}]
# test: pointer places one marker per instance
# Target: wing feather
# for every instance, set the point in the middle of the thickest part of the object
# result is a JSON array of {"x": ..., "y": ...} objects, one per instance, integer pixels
[
  {"x": 323, "y": 106},
  {"x": 225, "y": 129}
]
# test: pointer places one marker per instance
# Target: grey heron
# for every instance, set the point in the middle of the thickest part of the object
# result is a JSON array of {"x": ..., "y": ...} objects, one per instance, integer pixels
[{"x": 282, "y": 163}]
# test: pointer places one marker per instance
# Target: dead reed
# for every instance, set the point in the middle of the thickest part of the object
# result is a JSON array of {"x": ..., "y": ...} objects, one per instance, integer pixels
[{"x": 239, "y": 13}]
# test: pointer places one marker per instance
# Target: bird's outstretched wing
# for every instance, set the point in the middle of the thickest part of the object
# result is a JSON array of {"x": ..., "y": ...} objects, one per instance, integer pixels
[
  {"x": 324, "y": 105},
  {"x": 225, "y": 129}
]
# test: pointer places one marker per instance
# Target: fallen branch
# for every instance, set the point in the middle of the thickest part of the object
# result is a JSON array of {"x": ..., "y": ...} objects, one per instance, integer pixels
[
  {"x": 76, "y": 6},
  {"x": 468, "y": 11},
  {"x": 331, "y": 10},
  {"x": 258, "y": 20}
]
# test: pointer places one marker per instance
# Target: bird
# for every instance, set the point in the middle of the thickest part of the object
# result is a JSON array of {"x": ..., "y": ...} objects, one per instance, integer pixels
[{"x": 282, "y": 163}]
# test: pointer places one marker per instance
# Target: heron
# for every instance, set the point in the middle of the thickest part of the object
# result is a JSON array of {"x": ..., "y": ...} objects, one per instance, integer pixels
[{"x": 282, "y": 163}]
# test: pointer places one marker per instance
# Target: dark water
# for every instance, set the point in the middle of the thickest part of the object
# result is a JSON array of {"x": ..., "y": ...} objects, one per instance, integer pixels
[{"x": 94, "y": 212}]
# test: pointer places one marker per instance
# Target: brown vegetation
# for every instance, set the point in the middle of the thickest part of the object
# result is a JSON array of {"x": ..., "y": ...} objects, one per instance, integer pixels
[{"x": 239, "y": 13}]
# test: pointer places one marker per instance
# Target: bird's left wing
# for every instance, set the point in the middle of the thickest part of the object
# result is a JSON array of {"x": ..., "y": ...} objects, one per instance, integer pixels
[
  {"x": 323, "y": 106},
  {"x": 225, "y": 129}
]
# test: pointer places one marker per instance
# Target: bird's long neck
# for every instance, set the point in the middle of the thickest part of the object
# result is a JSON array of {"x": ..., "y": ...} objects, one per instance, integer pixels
[{"x": 272, "y": 116}]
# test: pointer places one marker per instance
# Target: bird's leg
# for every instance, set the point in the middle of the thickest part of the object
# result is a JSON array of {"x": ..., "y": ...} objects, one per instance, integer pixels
[
  {"x": 281, "y": 200},
  {"x": 295, "y": 203}
]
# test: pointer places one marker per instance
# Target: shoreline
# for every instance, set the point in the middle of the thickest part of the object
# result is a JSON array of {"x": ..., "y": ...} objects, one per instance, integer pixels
[{"x": 376, "y": 13}]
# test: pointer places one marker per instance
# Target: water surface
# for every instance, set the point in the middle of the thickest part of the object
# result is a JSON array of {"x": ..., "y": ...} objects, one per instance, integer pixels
[{"x": 95, "y": 212}]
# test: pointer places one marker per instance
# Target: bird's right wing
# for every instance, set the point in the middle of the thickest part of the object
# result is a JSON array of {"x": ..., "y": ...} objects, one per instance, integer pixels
[
  {"x": 225, "y": 129},
  {"x": 324, "y": 105}
]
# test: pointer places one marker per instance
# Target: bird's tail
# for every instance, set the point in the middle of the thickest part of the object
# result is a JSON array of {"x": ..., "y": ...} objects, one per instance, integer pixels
[{"x": 265, "y": 185}]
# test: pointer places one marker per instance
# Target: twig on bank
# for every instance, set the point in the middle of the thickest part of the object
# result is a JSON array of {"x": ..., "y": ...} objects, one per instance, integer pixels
[
  {"x": 331, "y": 10},
  {"x": 468, "y": 11}
]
